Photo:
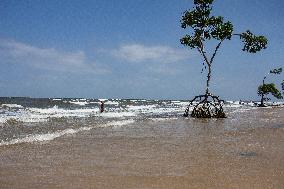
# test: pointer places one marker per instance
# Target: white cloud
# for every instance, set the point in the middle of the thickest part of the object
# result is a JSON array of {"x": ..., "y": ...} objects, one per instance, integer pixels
[
  {"x": 164, "y": 69},
  {"x": 141, "y": 53},
  {"x": 46, "y": 58}
]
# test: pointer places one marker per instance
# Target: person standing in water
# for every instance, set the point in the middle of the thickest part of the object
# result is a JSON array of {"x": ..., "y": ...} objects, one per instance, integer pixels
[{"x": 102, "y": 109}]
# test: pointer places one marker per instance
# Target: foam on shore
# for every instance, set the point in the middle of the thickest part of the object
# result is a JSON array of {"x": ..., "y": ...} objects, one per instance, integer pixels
[
  {"x": 113, "y": 109},
  {"x": 57, "y": 134}
]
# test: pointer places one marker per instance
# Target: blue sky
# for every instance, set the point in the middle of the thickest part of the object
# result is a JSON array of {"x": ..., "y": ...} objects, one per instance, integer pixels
[{"x": 129, "y": 49}]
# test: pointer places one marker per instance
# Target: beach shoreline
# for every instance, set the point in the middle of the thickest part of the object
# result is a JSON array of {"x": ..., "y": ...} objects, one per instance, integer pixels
[{"x": 243, "y": 151}]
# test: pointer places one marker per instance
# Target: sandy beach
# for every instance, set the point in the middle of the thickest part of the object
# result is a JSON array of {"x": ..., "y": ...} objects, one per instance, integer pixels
[
  {"x": 137, "y": 94},
  {"x": 242, "y": 151}
]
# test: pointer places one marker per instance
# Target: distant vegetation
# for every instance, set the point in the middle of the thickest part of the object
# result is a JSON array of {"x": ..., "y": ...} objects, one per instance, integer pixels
[
  {"x": 204, "y": 27},
  {"x": 269, "y": 88}
]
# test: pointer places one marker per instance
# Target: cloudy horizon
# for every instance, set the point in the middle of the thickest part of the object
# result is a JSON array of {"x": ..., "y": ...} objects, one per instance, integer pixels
[{"x": 128, "y": 49}]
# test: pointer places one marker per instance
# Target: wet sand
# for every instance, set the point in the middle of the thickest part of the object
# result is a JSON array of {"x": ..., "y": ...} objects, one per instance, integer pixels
[{"x": 245, "y": 150}]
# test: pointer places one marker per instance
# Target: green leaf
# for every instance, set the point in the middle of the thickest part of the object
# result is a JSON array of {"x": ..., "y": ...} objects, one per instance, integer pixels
[
  {"x": 269, "y": 88},
  {"x": 203, "y": 2},
  {"x": 222, "y": 30},
  {"x": 253, "y": 43},
  {"x": 203, "y": 26},
  {"x": 190, "y": 41},
  {"x": 276, "y": 71}
]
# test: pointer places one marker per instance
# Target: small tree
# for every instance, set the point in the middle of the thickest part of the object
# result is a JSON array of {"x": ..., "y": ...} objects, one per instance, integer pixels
[
  {"x": 269, "y": 88},
  {"x": 204, "y": 28}
]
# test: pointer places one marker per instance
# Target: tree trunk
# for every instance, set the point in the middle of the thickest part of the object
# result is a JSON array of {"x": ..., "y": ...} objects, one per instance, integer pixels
[
  {"x": 262, "y": 96},
  {"x": 262, "y": 101},
  {"x": 208, "y": 79}
]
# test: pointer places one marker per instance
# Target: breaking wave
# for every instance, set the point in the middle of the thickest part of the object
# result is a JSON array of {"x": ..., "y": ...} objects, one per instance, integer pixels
[
  {"x": 114, "y": 109},
  {"x": 27, "y": 120},
  {"x": 57, "y": 134}
]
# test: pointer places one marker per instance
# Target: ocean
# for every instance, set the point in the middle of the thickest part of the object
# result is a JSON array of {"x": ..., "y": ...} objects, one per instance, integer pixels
[
  {"x": 24, "y": 120},
  {"x": 136, "y": 143}
]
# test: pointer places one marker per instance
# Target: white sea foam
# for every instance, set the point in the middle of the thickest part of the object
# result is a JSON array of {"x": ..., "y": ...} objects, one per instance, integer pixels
[
  {"x": 111, "y": 103},
  {"x": 44, "y": 137},
  {"x": 60, "y": 112},
  {"x": 175, "y": 101},
  {"x": 43, "y": 114},
  {"x": 30, "y": 115},
  {"x": 116, "y": 114},
  {"x": 250, "y": 104},
  {"x": 11, "y": 106},
  {"x": 155, "y": 109},
  {"x": 141, "y": 108},
  {"x": 233, "y": 105},
  {"x": 165, "y": 110},
  {"x": 22, "y": 114},
  {"x": 179, "y": 103},
  {"x": 56, "y": 99},
  {"x": 102, "y": 99},
  {"x": 57, "y": 134},
  {"x": 275, "y": 103},
  {"x": 80, "y": 103}
]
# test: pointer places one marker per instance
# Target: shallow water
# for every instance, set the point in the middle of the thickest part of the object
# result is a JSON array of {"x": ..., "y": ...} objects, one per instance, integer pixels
[
  {"x": 146, "y": 145},
  {"x": 30, "y": 119}
]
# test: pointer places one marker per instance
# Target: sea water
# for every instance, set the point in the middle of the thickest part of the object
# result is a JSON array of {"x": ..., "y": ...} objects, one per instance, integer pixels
[
  {"x": 68, "y": 143},
  {"x": 27, "y": 120}
]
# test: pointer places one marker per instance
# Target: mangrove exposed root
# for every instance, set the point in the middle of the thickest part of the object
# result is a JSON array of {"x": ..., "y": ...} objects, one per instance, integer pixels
[{"x": 208, "y": 106}]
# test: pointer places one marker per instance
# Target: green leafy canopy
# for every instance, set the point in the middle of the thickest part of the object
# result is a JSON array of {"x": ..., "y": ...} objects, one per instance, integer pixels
[
  {"x": 204, "y": 26},
  {"x": 253, "y": 43},
  {"x": 265, "y": 89}
]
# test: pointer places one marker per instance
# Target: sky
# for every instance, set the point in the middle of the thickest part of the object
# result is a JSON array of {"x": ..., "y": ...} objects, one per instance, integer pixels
[{"x": 130, "y": 49}]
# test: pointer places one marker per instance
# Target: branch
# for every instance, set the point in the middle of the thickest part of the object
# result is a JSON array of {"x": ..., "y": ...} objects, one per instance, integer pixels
[
  {"x": 203, "y": 53},
  {"x": 215, "y": 52},
  {"x": 252, "y": 43}
]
